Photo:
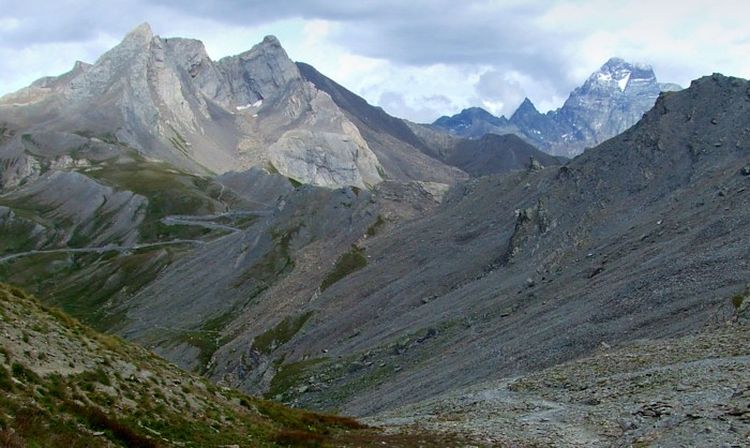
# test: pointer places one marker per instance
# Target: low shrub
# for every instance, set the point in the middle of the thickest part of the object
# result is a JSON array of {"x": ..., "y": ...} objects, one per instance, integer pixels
[{"x": 348, "y": 263}]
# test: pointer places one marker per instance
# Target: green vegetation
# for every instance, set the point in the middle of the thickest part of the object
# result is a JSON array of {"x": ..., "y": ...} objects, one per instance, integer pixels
[
  {"x": 207, "y": 339},
  {"x": 271, "y": 169},
  {"x": 348, "y": 263},
  {"x": 157, "y": 405},
  {"x": 88, "y": 285},
  {"x": 341, "y": 379},
  {"x": 18, "y": 235},
  {"x": 169, "y": 192},
  {"x": 22, "y": 373},
  {"x": 95, "y": 376},
  {"x": 737, "y": 301},
  {"x": 5, "y": 381},
  {"x": 179, "y": 143},
  {"x": 275, "y": 263},
  {"x": 85, "y": 285},
  {"x": 375, "y": 227},
  {"x": 280, "y": 334},
  {"x": 291, "y": 375}
]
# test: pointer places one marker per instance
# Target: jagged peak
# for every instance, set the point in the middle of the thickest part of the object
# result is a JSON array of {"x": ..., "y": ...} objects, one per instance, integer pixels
[
  {"x": 619, "y": 68},
  {"x": 617, "y": 73},
  {"x": 134, "y": 43},
  {"x": 616, "y": 63},
  {"x": 526, "y": 104},
  {"x": 526, "y": 108},
  {"x": 271, "y": 40},
  {"x": 476, "y": 111},
  {"x": 142, "y": 32},
  {"x": 269, "y": 45}
]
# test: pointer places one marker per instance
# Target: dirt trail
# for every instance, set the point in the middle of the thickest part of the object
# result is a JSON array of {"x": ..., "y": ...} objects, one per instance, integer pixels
[
  {"x": 689, "y": 391},
  {"x": 495, "y": 415}
]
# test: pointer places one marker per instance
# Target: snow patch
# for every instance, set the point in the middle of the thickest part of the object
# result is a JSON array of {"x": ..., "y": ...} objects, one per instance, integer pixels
[
  {"x": 248, "y": 106},
  {"x": 624, "y": 82}
]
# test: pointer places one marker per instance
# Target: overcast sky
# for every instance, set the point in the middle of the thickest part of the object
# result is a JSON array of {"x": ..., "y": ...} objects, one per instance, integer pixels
[{"x": 418, "y": 59}]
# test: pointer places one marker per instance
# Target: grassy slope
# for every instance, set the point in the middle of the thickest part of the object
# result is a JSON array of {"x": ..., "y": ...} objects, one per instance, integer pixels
[
  {"x": 64, "y": 384},
  {"x": 88, "y": 285},
  {"x": 169, "y": 192}
]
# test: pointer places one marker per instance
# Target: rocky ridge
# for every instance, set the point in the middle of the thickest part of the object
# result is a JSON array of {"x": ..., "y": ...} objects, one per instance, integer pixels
[
  {"x": 555, "y": 249},
  {"x": 168, "y": 99},
  {"x": 611, "y": 100},
  {"x": 244, "y": 276},
  {"x": 62, "y": 383}
]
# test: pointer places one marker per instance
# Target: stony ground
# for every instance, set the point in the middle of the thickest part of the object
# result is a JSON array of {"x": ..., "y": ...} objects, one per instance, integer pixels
[
  {"x": 689, "y": 391},
  {"x": 64, "y": 385}
]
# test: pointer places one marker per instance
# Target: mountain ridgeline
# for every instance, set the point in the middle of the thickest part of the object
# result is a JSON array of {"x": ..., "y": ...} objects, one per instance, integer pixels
[
  {"x": 165, "y": 98},
  {"x": 253, "y": 221},
  {"x": 611, "y": 100}
]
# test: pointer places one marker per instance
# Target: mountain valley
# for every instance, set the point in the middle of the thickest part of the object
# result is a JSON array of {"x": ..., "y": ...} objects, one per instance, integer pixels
[{"x": 254, "y": 222}]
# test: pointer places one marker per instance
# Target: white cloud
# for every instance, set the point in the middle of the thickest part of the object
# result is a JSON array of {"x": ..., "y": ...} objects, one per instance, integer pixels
[
  {"x": 403, "y": 56},
  {"x": 20, "y": 66}
]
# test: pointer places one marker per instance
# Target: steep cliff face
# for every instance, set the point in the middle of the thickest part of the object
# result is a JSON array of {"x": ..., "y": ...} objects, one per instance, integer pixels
[{"x": 168, "y": 99}]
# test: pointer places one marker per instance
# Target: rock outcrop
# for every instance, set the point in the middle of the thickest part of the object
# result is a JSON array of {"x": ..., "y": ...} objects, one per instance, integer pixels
[{"x": 168, "y": 99}]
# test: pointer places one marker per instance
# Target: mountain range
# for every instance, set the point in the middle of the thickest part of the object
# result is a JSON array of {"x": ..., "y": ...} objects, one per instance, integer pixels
[
  {"x": 169, "y": 101},
  {"x": 253, "y": 221},
  {"x": 611, "y": 100}
]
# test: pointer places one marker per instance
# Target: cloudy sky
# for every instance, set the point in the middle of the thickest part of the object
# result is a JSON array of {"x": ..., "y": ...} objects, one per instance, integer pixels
[{"x": 418, "y": 59}]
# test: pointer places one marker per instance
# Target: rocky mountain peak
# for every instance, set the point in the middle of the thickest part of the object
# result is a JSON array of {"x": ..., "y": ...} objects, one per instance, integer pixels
[
  {"x": 267, "y": 64},
  {"x": 526, "y": 108},
  {"x": 473, "y": 121},
  {"x": 611, "y": 100},
  {"x": 270, "y": 46},
  {"x": 476, "y": 112},
  {"x": 140, "y": 34},
  {"x": 135, "y": 45},
  {"x": 271, "y": 40},
  {"x": 616, "y": 75}
]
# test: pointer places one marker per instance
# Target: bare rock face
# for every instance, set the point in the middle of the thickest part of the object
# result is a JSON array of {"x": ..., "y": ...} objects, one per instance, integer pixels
[
  {"x": 168, "y": 99},
  {"x": 259, "y": 73},
  {"x": 18, "y": 170},
  {"x": 323, "y": 158},
  {"x": 610, "y": 101}
]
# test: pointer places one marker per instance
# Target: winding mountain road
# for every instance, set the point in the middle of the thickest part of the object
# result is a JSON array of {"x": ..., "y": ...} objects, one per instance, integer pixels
[
  {"x": 101, "y": 249},
  {"x": 205, "y": 221}
]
